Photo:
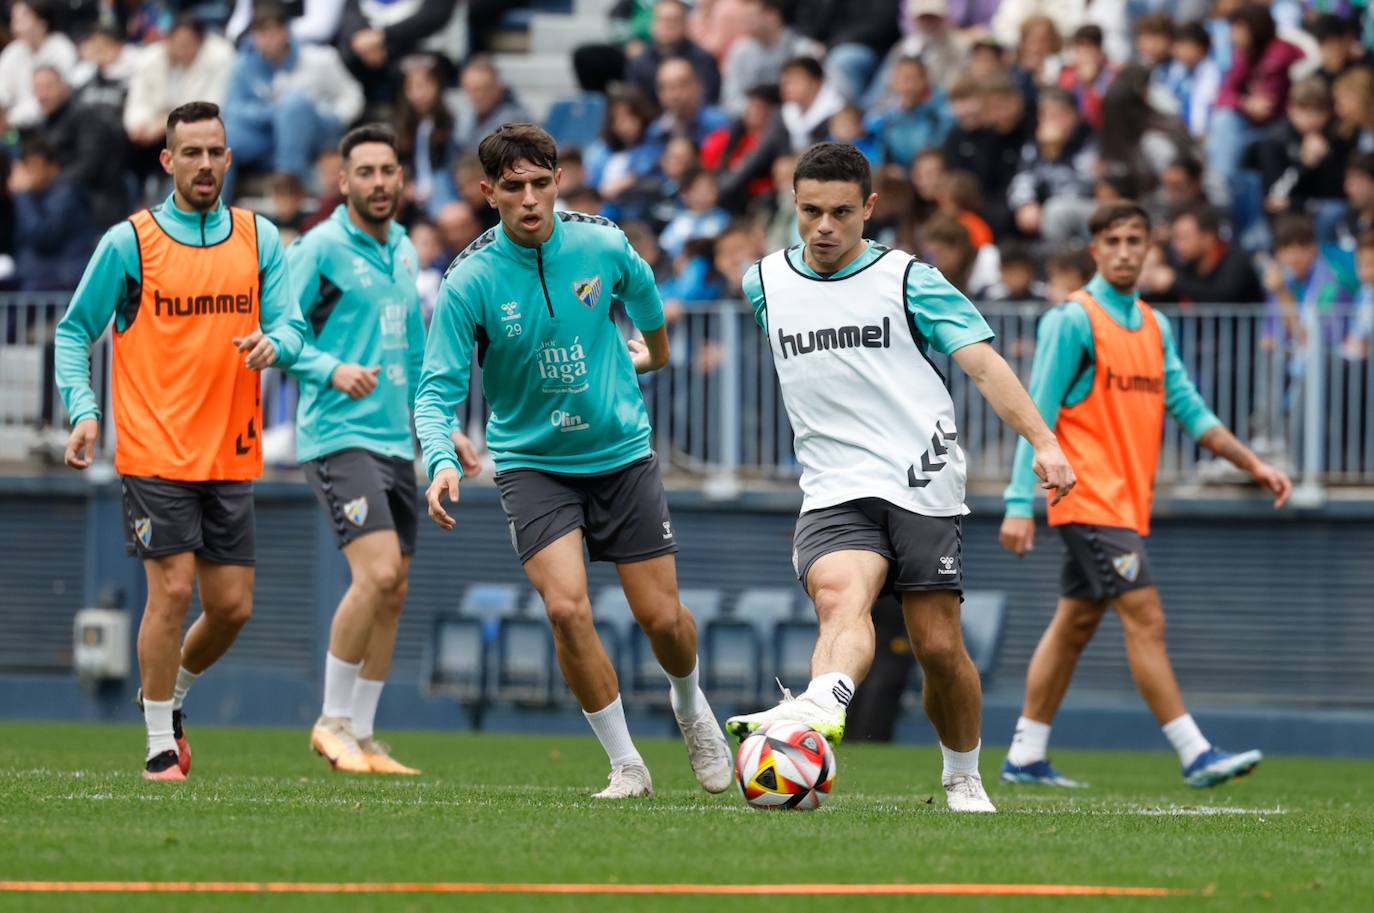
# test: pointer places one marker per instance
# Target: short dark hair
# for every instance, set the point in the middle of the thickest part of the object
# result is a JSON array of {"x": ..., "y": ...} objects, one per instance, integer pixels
[
  {"x": 1194, "y": 32},
  {"x": 1330, "y": 25},
  {"x": 1015, "y": 252},
  {"x": 509, "y": 143},
  {"x": 1058, "y": 94},
  {"x": 834, "y": 162},
  {"x": 1294, "y": 229},
  {"x": 1088, "y": 34},
  {"x": 1075, "y": 261},
  {"x": 369, "y": 133},
  {"x": 267, "y": 13},
  {"x": 1117, "y": 211},
  {"x": 1156, "y": 24},
  {"x": 186, "y": 21},
  {"x": 810, "y": 65},
  {"x": 765, "y": 92},
  {"x": 1190, "y": 166},
  {"x": 1362, "y": 162},
  {"x": 1205, "y": 216},
  {"x": 193, "y": 112}
]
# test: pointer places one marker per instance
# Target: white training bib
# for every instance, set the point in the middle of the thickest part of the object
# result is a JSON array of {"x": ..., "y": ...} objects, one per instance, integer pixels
[{"x": 870, "y": 413}]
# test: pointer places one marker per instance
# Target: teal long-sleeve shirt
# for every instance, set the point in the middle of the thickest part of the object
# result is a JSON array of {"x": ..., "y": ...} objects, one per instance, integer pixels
[
  {"x": 557, "y": 374},
  {"x": 361, "y": 306},
  {"x": 111, "y": 286},
  {"x": 1062, "y": 375}
]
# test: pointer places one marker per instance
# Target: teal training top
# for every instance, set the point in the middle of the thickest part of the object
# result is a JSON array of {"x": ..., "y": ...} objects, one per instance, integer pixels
[
  {"x": 1062, "y": 375},
  {"x": 943, "y": 315},
  {"x": 111, "y": 287},
  {"x": 361, "y": 306},
  {"x": 556, "y": 371}
]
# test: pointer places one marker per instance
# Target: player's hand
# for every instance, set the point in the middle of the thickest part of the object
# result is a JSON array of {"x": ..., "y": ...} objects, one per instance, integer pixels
[
  {"x": 81, "y": 443},
  {"x": 1054, "y": 471},
  {"x": 468, "y": 457},
  {"x": 639, "y": 356},
  {"x": 1274, "y": 481},
  {"x": 354, "y": 380},
  {"x": 1018, "y": 535},
  {"x": 446, "y": 482},
  {"x": 261, "y": 352}
]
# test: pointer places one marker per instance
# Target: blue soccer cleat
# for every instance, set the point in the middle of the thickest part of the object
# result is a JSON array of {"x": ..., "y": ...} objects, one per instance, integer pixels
[
  {"x": 1039, "y": 773},
  {"x": 1215, "y": 766}
]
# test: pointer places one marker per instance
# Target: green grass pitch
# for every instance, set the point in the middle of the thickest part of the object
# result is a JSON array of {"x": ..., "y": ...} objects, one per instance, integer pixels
[{"x": 1297, "y": 835}]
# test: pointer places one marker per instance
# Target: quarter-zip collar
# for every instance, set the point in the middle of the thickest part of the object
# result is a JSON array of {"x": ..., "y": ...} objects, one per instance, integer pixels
[
  {"x": 539, "y": 257},
  {"x": 195, "y": 229},
  {"x": 385, "y": 253},
  {"x": 1120, "y": 305}
]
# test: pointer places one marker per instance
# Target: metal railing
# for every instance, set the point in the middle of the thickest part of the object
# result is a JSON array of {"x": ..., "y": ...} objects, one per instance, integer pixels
[{"x": 717, "y": 411}]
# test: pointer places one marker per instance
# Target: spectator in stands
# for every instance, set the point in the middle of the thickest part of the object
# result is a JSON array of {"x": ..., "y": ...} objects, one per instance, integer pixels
[
  {"x": 986, "y": 61},
  {"x": 1304, "y": 278},
  {"x": 34, "y": 42},
  {"x": 328, "y": 176},
  {"x": 487, "y": 103},
  {"x": 993, "y": 151},
  {"x": 188, "y": 65},
  {"x": 757, "y": 58},
  {"x": 1018, "y": 283},
  {"x": 1089, "y": 74},
  {"x": 425, "y": 131},
  {"x": 1201, "y": 267},
  {"x": 1352, "y": 96},
  {"x": 1357, "y": 341},
  {"x": 458, "y": 226},
  {"x": 927, "y": 174},
  {"x": 467, "y": 184},
  {"x": 929, "y": 38},
  {"x": 1359, "y": 196},
  {"x": 429, "y": 252},
  {"x": 102, "y": 77},
  {"x": 742, "y": 154},
  {"x": 1108, "y": 16},
  {"x": 1254, "y": 91},
  {"x": 1037, "y": 61},
  {"x": 625, "y": 153},
  {"x": 374, "y": 37},
  {"x": 645, "y": 243},
  {"x": 1193, "y": 77},
  {"x": 1154, "y": 40},
  {"x": 1338, "y": 47},
  {"x": 808, "y": 101},
  {"x": 1301, "y": 159},
  {"x": 777, "y": 210},
  {"x": 684, "y": 109},
  {"x": 848, "y": 126},
  {"x": 89, "y": 147},
  {"x": 570, "y": 162},
  {"x": 1067, "y": 272},
  {"x": 966, "y": 105},
  {"x": 586, "y": 199},
  {"x": 310, "y": 21},
  {"x": 1051, "y": 195},
  {"x": 1139, "y": 142},
  {"x": 858, "y": 35},
  {"x": 945, "y": 245},
  {"x": 717, "y": 25},
  {"x": 668, "y": 30},
  {"x": 53, "y": 231},
  {"x": 914, "y": 115},
  {"x": 286, "y": 100},
  {"x": 959, "y": 197},
  {"x": 700, "y": 217},
  {"x": 288, "y": 206}
]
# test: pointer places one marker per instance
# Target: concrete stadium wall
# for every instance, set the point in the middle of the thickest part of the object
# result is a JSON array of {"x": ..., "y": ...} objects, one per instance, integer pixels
[{"x": 1271, "y": 615}]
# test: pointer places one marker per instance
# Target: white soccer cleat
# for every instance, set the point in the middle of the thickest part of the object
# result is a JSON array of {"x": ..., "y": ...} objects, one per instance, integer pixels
[
  {"x": 707, "y": 749},
  {"x": 804, "y": 710},
  {"x": 965, "y": 793},
  {"x": 628, "y": 781}
]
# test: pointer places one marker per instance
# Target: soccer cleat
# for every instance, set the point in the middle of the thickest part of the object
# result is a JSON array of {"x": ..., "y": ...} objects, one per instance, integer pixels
[
  {"x": 707, "y": 749},
  {"x": 332, "y": 739},
  {"x": 1215, "y": 766},
  {"x": 178, "y": 733},
  {"x": 163, "y": 766},
  {"x": 804, "y": 710},
  {"x": 965, "y": 793},
  {"x": 1040, "y": 773},
  {"x": 379, "y": 760},
  {"x": 628, "y": 781}
]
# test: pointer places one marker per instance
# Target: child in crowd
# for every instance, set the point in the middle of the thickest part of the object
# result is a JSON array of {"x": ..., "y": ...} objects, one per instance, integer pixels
[{"x": 701, "y": 217}]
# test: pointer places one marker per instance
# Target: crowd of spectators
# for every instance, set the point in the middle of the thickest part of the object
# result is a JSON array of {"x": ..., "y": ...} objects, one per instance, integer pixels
[{"x": 1246, "y": 128}]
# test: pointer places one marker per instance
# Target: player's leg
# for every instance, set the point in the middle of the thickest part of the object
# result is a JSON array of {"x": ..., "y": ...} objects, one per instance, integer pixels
[
  {"x": 559, "y": 574},
  {"x": 367, "y": 692},
  {"x": 1142, "y": 620},
  {"x": 951, "y": 692},
  {"x": 170, "y": 583}
]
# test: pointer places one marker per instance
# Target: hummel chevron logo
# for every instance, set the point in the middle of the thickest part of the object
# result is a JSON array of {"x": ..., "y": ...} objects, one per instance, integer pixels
[{"x": 930, "y": 464}]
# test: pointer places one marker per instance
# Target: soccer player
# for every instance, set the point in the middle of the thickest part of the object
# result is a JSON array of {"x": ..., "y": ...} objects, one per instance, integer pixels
[
  {"x": 355, "y": 278},
  {"x": 850, "y": 324},
  {"x": 201, "y": 302},
  {"x": 1106, "y": 371},
  {"x": 569, "y": 434}
]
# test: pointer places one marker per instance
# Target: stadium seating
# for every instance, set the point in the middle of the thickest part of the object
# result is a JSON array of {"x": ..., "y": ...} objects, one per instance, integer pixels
[
  {"x": 983, "y": 615},
  {"x": 524, "y": 671},
  {"x": 576, "y": 121}
]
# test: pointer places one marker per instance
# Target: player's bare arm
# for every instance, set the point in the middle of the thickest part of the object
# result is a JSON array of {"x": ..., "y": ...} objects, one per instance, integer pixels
[
  {"x": 1224, "y": 444},
  {"x": 652, "y": 352},
  {"x": 1000, "y": 387}
]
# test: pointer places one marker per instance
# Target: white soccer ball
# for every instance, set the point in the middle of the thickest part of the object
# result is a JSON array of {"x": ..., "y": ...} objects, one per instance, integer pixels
[{"x": 785, "y": 765}]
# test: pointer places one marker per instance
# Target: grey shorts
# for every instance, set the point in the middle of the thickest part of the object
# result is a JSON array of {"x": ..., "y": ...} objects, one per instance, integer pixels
[
  {"x": 623, "y": 513},
  {"x": 1103, "y": 561},
  {"x": 925, "y": 552},
  {"x": 363, "y": 493},
  {"x": 213, "y": 519}
]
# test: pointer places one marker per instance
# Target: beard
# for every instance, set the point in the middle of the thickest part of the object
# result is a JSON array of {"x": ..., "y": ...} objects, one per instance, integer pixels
[{"x": 362, "y": 205}]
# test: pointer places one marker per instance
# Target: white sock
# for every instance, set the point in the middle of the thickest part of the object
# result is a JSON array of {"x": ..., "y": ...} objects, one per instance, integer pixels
[
  {"x": 366, "y": 694},
  {"x": 1029, "y": 743},
  {"x": 1186, "y": 738},
  {"x": 157, "y": 716},
  {"x": 339, "y": 680},
  {"x": 609, "y": 725},
  {"x": 687, "y": 696},
  {"x": 833, "y": 690},
  {"x": 185, "y": 680},
  {"x": 960, "y": 762}
]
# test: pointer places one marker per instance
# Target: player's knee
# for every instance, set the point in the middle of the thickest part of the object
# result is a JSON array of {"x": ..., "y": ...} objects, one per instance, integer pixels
[
  {"x": 230, "y": 613},
  {"x": 1147, "y": 625},
  {"x": 665, "y": 624},
  {"x": 176, "y": 593},
  {"x": 385, "y": 578},
  {"x": 568, "y": 613},
  {"x": 1080, "y": 629},
  {"x": 835, "y": 602},
  {"x": 941, "y": 652}
]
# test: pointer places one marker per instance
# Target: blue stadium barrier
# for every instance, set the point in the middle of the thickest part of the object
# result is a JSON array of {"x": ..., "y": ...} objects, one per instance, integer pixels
[{"x": 525, "y": 671}]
